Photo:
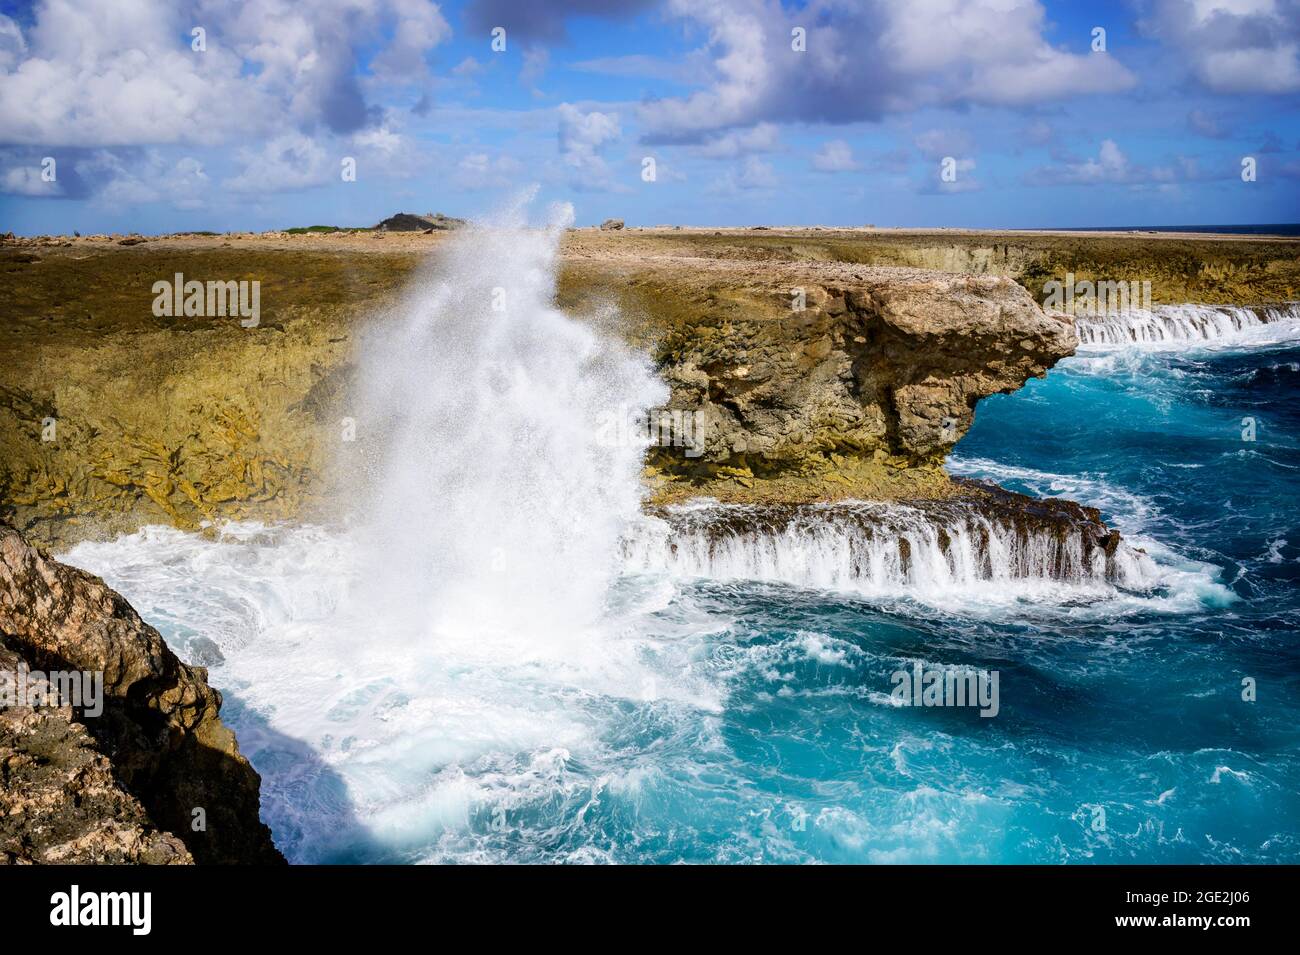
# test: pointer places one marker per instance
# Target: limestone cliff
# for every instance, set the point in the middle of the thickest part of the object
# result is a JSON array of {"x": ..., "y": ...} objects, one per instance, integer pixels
[
  {"x": 160, "y": 737},
  {"x": 59, "y": 800},
  {"x": 876, "y": 368},
  {"x": 112, "y": 418}
]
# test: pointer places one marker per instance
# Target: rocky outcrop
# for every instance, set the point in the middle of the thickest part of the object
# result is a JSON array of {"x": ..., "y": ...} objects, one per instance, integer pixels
[
  {"x": 814, "y": 381},
  {"x": 160, "y": 729},
  {"x": 885, "y": 364},
  {"x": 59, "y": 800},
  {"x": 410, "y": 222}
]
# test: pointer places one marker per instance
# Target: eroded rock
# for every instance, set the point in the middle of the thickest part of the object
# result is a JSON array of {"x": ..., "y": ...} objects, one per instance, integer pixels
[{"x": 160, "y": 728}]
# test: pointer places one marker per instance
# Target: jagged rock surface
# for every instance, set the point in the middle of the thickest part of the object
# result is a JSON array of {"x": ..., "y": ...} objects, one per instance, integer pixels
[
  {"x": 59, "y": 800},
  {"x": 161, "y": 728},
  {"x": 893, "y": 365}
]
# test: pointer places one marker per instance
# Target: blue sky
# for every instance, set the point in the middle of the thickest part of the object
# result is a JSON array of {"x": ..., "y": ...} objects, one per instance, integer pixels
[{"x": 149, "y": 134}]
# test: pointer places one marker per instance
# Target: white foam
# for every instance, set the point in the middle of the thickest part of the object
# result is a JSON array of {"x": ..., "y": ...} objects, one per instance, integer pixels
[
  {"x": 1182, "y": 326},
  {"x": 880, "y": 550}
]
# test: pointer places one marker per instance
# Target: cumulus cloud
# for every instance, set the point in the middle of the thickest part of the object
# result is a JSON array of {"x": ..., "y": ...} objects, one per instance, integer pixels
[
  {"x": 964, "y": 180},
  {"x": 123, "y": 72},
  {"x": 111, "y": 178},
  {"x": 482, "y": 171},
  {"x": 1232, "y": 46},
  {"x": 1112, "y": 166},
  {"x": 13, "y": 48},
  {"x": 835, "y": 156},
  {"x": 536, "y": 61},
  {"x": 582, "y": 137},
  {"x": 937, "y": 143},
  {"x": 181, "y": 183},
  {"x": 288, "y": 162},
  {"x": 27, "y": 181},
  {"x": 866, "y": 58},
  {"x": 419, "y": 27},
  {"x": 760, "y": 139}
]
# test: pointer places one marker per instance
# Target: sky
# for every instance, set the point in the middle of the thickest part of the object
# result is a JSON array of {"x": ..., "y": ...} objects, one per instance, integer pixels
[{"x": 173, "y": 115}]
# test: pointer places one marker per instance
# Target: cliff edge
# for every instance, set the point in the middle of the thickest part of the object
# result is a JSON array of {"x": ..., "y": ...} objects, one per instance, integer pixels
[{"x": 142, "y": 769}]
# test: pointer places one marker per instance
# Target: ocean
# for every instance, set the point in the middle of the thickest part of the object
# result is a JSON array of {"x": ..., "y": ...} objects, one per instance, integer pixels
[{"x": 494, "y": 659}]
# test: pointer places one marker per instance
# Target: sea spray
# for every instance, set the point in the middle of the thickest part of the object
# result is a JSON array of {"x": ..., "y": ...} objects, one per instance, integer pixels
[{"x": 490, "y": 501}]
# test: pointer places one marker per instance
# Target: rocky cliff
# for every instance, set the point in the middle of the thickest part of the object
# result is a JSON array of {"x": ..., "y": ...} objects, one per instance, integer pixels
[
  {"x": 813, "y": 364},
  {"x": 150, "y": 773},
  {"x": 823, "y": 381}
]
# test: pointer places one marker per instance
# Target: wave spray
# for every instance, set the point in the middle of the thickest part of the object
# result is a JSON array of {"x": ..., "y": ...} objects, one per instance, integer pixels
[{"x": 492, "y": 505}]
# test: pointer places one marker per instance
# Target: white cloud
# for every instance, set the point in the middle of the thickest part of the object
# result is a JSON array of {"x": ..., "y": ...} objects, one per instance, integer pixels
[
  {"x": 1232, "y": 46},
  {"x": 419, "y": 27},
  {"x": 1111, "y": 165},
  {"x": 13, "y": 48},
  {"x": 536, "y": 61},
  {"x": 288, "y": 162},
  {"x": 481, "y": 171},
  {"x": 122, "y": 72},
  {"x": 964, "y": 181},
  {"x": 835, "y": 156},
  {"x": 871, "y": 57},
  {"x": 183, "y": 183},
  {"x": 27, "y": 181},
  {"x": 762, "y": 138},
  {"x": 937, "y": 143},
  {"x": 752, "y": 175},
  {"x": 582, "y": 137}
]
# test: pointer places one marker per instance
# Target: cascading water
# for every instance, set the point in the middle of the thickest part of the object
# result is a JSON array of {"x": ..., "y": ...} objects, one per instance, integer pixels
[
  {"x": 1170, "y": 325},
  {"x": 878, "y": 549}
]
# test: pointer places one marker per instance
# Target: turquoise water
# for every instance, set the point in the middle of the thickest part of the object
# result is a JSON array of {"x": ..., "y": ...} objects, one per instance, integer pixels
[{"x": 711, "y": 721}]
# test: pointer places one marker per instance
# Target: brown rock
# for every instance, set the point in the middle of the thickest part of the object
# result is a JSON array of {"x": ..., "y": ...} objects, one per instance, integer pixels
[
  {"x": 160, "y": 728},
  {"x": 59, "y": 800}
]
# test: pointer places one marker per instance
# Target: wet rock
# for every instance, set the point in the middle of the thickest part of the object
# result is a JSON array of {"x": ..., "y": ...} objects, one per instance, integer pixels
[{"x": 982, "y": 533}]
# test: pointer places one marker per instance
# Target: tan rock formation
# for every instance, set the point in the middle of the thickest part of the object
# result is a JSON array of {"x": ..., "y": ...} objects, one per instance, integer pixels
[{"x": 160, "y": 727}]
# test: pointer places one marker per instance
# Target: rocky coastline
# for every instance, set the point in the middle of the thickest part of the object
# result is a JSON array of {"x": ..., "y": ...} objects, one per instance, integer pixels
[
  {"x": 814, "y": 367},
  {"x": 148, "y": 773}
]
